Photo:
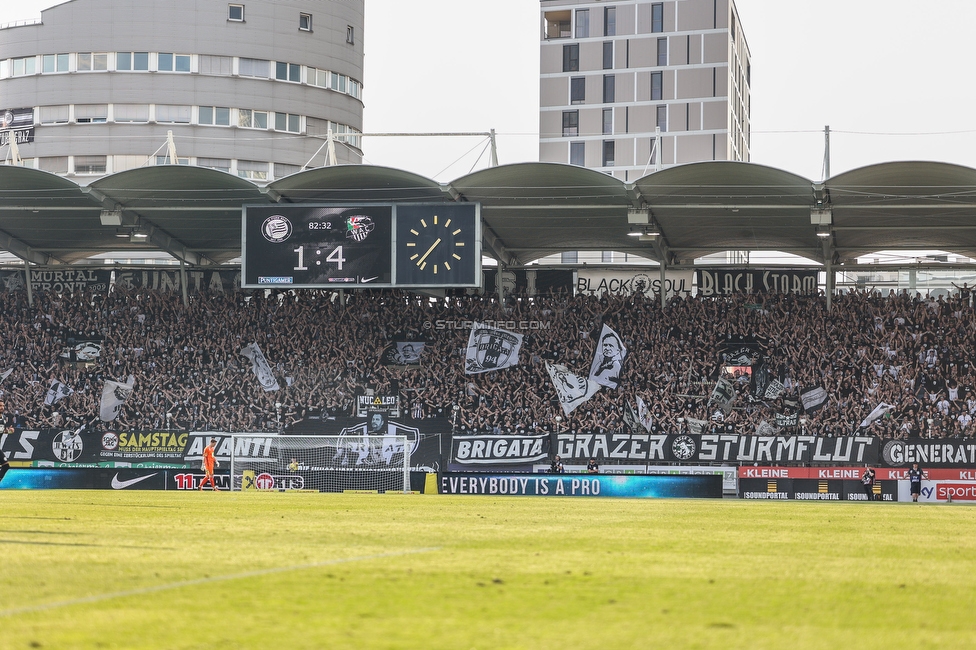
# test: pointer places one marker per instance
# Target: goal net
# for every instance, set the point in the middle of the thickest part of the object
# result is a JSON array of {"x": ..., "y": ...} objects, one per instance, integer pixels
[{"x": 377, "y": 463}]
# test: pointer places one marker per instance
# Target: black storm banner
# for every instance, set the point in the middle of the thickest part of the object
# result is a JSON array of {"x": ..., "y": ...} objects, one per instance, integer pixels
[{"x": 724, "y": 282}]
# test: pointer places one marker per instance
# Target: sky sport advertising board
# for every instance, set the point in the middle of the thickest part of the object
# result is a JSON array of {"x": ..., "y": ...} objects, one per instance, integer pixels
[{"x": 582, "y": 485}]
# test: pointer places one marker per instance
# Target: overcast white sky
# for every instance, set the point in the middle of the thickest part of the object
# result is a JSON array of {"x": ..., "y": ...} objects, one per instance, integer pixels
[{"x": 890, "y": 77}]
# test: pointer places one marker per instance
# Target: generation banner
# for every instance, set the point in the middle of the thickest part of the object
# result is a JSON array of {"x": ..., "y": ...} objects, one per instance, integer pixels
[
  {"x": 727, "y": 281},
  {"x": 620, "y": 282},
  {"x": 928, "y": 453}
]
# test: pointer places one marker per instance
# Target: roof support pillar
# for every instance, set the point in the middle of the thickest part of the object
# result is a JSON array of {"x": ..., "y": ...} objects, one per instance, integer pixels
[
  {"x": 30, "y": 292},
  {"x": 664, "y": 283},
  {"x": 186, "y": 298},
  {"x": 499, "y": 286}
]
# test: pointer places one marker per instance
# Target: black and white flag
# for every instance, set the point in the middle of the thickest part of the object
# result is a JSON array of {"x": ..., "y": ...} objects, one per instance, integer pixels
[
  {"x": 491, "y": 349},
  {"x": 723, "y": 394},
  {"x": 774, "y": 389},
  {"x": 57, "y": 391},
  {"x": 878, "y": 411},
  {"x": 630, "y": 417},
  {"x": 571, "y": 389},
  {"x": 697, "y": 427},
  {"x": 608, "y": 359},
  {"x": 813, "y": 399},
  {"x": 114, "y": 395},
  {"x": 646, "y": 419},
  {"x": 260, "y": 367},
  {"x": 405, "y": 353}
]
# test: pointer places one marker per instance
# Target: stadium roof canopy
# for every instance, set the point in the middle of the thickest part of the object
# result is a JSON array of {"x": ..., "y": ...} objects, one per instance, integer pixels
[{"x": 529, "y": 210}]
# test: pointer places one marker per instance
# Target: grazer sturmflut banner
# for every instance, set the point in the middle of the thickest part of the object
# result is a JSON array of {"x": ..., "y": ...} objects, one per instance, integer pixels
[
  {"x": 726, "y": 281},
  {"x": 716, "y": 448}
]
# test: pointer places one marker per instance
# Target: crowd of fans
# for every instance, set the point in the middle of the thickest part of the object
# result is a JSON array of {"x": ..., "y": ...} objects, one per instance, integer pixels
[{"x": 910, "y": 353}]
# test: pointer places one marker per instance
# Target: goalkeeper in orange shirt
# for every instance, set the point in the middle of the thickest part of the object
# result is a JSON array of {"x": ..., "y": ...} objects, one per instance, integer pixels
[{"x": 209, "y": 463}]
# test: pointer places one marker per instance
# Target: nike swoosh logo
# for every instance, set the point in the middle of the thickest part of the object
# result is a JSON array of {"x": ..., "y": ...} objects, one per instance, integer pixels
[
  {"x": 370, "y": 279},
  {"x": 121, "y": 485}
]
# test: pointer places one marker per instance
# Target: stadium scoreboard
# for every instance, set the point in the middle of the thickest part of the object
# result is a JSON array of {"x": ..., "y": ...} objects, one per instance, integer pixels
[{"x": 361, "y": 245}]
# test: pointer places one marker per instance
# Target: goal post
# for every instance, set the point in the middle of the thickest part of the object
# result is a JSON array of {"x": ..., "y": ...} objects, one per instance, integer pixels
[{"x": 374, "y": 463}]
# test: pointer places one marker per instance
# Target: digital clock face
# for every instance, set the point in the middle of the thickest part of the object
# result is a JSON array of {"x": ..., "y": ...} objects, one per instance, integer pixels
[
  {"x": 437, "y": 245},
  {"x": 317, "y": 246}
]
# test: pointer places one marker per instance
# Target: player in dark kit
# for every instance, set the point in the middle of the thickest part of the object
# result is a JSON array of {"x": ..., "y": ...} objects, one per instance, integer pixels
[
  {"x": 915, "y": 478},
  {"x": 4, "y": 465}
]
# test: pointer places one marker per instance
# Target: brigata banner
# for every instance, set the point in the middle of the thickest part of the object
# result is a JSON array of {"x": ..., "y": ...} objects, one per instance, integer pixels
[
  {"x": 563, "y": 485},
  {"x": 716, "y": 448},
  {"x": 492, "y": 450},
  {"x": 726, "y": 281},
  {"x": 947, "y": 453}
]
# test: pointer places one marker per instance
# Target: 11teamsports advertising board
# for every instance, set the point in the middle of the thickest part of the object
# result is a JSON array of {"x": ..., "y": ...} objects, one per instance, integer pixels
[{"x": 361, "y": 245}]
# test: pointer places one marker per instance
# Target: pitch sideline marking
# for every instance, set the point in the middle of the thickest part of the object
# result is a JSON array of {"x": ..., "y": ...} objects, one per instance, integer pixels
[{"x": 203, "y": 581}]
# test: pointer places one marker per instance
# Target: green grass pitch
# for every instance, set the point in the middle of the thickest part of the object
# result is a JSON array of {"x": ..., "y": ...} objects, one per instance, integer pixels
[{"x": 93, "y": 569}]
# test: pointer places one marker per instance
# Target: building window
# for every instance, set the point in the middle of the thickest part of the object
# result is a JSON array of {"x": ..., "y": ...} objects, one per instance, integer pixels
[
  {"x": 577, "y": 154},
  {"x": 662, "y": 51},
  {"x": 130, "y": 113},
  {"x": 283, "y": 169},
  {"x": 288, "y": 72},
  {"x": 54, "y": 63},
  {"x": 582, "y": 23},
  {"x": 662, "y": 117},
  {"x": 167, "y": 114},
  {"x": 608, "y": 89},
  {"x": 221, "y": 164},
  {"x": 608, "y": 55},
  {"x": 570, "y": 124},
  {"x": 169, "y": 62},
  {"x": 305, "y": 22},
  {"x": 657, "y": 17},
  {"x": 288, "y": 122},
  {"x": 215, "y": 65},
  {"x": 53, "y": 114},
  {"x": 569, "y": 257},
  {"x": 338, "y": 82},
  {"x": 608, "y": 150},
  {"x": 92, "y": 61},
  {"x": 53, "y": 164},
  {"x": 214, "y": 116},
  {"x": 254, "y": 68},
  {"x": 23, "y": 67},
  {"x": 607, "y": 121},
  {"x": 90, "y": 164},
  {"x": 252, "y": 169},
  {"x": 91, "y": 113},
  {"x": 577, "y": 90},
  {"x": 571, "y": 58},
  {"x": 609, "y": 21},
  {"x": 249, "y": 119},
  {"x": 132, "y": 61},
  {"x": 235, "y": 13},
  {"x": 350, "y": 34},
  {"x": 164, "y": 160},
  {"x": 657, "y": 85}
]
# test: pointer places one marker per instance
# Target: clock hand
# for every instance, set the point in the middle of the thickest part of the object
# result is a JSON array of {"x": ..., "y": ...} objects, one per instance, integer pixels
[{"x": 429, "y": 251}]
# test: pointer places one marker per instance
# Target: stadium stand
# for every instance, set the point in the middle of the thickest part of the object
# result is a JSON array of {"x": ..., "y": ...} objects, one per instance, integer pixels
[{"x": 906, "y": 359}]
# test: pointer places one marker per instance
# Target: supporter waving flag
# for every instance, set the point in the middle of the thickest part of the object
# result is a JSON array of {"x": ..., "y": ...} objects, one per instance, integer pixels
[
  {"x": 878, "y": 411},
  {"x": 571, "y": 389},
  {"x": 608, "y": 359},
  {"x": 644, "y": 413},
  {"x": 723, "y": 394},
  {"x": 490, "y": 349},
  {"x": 260, "y": 367},
  {"x": 57, "y": 391},
  {"x": 114, "y": 395},
  {"x": 813, "y": 398}
]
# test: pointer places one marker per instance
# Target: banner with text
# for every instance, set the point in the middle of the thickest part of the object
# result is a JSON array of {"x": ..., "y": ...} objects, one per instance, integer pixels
[
  {"x": 621, "y": 282},
  {"x": 725, "y": 281}
]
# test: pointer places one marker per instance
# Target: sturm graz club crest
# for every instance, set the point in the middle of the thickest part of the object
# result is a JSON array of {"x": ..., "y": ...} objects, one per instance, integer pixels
[
  {"x": 276, "y": 228},
  {"x": 67, "y": 446},
  {"x": 684, "y": 447}
]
